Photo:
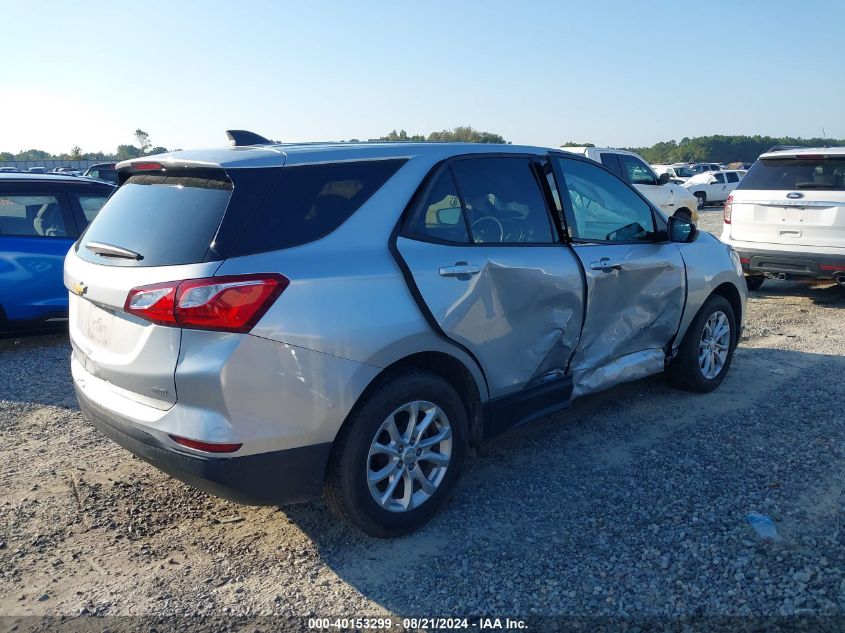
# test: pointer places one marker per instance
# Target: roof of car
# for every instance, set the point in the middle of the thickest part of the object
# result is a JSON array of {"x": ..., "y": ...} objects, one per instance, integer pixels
[
  {"x": 276, "y": 155},
  {"x": 798, "y": 151},
  {"x": 24, "y": 176}
]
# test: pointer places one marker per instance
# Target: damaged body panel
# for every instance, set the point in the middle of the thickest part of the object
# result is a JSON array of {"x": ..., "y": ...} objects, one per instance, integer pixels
[
  {"x": 529, "y": 300},
  {"x": 634, "y": 305}
]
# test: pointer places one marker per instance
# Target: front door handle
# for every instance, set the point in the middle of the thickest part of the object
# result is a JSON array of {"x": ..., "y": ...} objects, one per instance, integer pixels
[
  {"x": 605, "y": 264},
  {"x": 461, "y": 270}
]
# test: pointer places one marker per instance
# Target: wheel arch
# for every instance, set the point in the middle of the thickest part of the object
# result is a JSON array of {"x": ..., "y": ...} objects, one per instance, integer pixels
[
  {"x": 445, "y": 365},
  {"x": 729, "y": 291}
]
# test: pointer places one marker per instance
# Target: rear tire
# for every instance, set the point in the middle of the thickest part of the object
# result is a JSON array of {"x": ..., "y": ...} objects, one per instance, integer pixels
[
  {"x": 702, "y": 199},
  {"x": 700, "y": 365},
  {"x": 754, "y": 281},
  {"x": 369, "y": 445}
]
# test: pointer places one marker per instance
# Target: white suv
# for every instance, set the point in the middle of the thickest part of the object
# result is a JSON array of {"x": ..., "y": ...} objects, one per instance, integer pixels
[
  {"x": 666, "y": 196},
  {"x": 787, "y": 216}
]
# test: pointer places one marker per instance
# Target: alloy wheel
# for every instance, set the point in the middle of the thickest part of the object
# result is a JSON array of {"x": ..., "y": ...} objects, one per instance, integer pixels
[
  {"x": 714, "y": 345},
  {"x": 409, "y": 456}
]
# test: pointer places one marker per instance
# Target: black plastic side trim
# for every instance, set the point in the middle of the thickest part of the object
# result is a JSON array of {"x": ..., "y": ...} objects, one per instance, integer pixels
[{"x": 528, "y": 404}]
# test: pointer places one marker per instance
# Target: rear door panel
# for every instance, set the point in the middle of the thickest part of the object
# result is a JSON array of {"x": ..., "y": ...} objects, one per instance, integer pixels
[{"x": 520, "y": 315}]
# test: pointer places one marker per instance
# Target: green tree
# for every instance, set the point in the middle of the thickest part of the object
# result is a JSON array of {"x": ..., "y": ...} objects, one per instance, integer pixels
[
  {"x": 76, "y": 153},
  {"x": 143, "y": 140},
  {"x": 125, "y": 152},
  {"x": 33, "y": 154},
  {"x": 158, "y": 150},
  {"x": 573, "y": 144},
  {"x": 465, "y": 134}
]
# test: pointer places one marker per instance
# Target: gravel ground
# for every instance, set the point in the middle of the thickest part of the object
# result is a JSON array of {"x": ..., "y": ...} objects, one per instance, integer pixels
[{"x": 632, "y": 502}]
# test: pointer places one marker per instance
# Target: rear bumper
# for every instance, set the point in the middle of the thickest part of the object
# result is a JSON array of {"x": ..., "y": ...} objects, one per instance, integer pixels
[
  {"x": 793, "y": 263},
  {"x": 277, "y": 477}
]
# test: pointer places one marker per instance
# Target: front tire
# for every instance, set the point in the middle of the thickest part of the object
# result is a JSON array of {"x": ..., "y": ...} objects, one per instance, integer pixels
[
  {"x": 702, "y": 199},
  {"x": 706, "y": 352},
  {"x": 398, "y": 456}
]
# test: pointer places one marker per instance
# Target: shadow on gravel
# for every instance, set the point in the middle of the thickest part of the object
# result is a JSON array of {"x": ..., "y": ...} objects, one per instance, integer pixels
[
  {"x": 633, "y": 501},
  {"x": 823, "y": 293}
]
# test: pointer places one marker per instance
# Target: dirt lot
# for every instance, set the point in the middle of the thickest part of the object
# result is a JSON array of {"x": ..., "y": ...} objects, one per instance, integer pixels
[{"x": 632, "y": 502}]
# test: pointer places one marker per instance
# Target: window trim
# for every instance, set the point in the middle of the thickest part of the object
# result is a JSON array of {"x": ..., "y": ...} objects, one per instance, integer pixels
[
  {"x": 421, "y": 195},
  {"x": 73, "y": 229},
  {"x": 661, "y": 237}
]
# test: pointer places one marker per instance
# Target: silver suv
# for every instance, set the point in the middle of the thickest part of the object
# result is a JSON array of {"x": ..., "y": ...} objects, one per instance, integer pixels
[{"x": 274, "y": 322}]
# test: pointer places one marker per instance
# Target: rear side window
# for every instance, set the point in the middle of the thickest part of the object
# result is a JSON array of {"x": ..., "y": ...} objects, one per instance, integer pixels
[
  {"x": 32, "y": 216},
  {"x": 719, "y": 179},
  {"x": 824, "y": 174},
  {"x": 440, "y": 216},
  {"x": 732, "y": 176},
  {"x": 310, "y": 201},
  {"x": 167, "y": 220},
  {"x": 503, "y": 201}
]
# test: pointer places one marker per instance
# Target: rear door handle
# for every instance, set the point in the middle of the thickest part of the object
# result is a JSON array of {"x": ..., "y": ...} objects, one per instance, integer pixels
[
  {"x": 461, "y": 270},
  {"x": 605, "y": 264}
]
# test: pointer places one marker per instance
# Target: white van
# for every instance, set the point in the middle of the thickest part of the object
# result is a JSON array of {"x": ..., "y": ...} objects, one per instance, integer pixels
[{"x": 787, "y": 216}]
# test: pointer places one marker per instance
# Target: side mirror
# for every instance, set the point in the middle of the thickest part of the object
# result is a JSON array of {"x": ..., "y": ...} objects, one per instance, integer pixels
[
  {"x": 449, "y": 216},
  {"x": 681, "y": 230},
  {"x": 663, "y": 178}
]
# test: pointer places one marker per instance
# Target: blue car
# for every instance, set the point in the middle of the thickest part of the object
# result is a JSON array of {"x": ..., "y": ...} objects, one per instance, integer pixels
[{"x": 41, "y": 216}]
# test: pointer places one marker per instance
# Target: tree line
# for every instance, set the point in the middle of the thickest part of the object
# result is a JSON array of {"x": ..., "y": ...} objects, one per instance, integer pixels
[
  {"x": 144, "y": 147},
  {"x": 723, "y": 149},
  {"x": 123, "y": 152}
]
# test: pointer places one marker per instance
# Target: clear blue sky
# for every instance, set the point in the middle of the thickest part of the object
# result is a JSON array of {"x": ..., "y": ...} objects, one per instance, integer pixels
[{"x": 606, "y": 72}]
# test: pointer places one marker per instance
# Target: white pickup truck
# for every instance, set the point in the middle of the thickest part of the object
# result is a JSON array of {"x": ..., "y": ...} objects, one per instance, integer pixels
[{"x": 669, "y": 198}]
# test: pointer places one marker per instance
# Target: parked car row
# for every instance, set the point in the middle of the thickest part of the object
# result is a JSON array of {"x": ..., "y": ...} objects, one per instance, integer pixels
[{"x": 99, "y": 171}]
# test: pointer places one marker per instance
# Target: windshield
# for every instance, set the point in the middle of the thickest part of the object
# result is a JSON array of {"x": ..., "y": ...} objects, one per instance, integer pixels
[{"x": 792, "y": 173}]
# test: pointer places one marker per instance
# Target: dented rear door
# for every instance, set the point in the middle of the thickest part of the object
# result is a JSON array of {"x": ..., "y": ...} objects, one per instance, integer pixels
[{"x": 492, "y": 272}]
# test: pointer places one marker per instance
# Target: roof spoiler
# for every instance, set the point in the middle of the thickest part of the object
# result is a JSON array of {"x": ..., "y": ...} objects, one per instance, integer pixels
[{"x": 244, "y": 138}]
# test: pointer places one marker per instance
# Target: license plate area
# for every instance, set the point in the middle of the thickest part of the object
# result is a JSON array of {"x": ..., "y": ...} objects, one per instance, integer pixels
[{"x": 100, "y": 326}]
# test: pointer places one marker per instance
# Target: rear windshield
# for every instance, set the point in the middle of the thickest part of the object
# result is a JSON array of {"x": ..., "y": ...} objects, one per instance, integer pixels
[
  {"x": 309, "y": 202},
  {"x": 167, "y": 220},
  {"x": 825, "y": 174}
]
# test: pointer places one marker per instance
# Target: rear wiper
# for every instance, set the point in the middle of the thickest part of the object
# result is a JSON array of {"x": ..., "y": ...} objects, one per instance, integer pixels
[{"x": 109, "y": 250}]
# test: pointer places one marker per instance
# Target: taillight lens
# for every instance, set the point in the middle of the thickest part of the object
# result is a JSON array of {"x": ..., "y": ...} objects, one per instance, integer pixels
[
  {"x": 229, "y": 304},
  {"x": 728, "y": 208}
]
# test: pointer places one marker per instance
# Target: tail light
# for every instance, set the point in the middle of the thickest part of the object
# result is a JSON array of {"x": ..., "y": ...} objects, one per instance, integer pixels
[
  {"x": 227, "y": 304},
  {"x": 728, "y": 208}
]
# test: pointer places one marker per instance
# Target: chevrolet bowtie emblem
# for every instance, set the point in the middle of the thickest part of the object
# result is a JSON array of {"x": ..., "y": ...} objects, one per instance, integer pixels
[{"x": 79, "y": 288}]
